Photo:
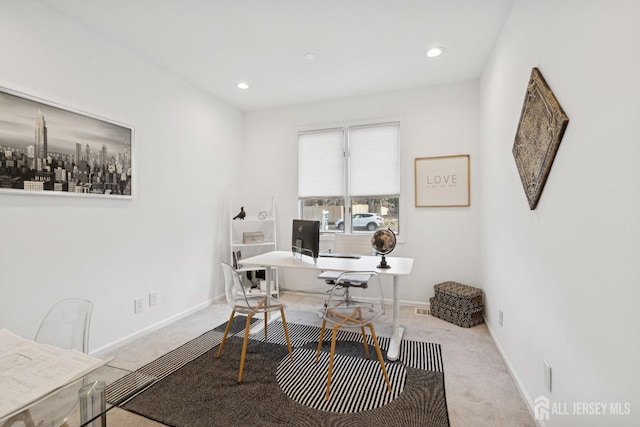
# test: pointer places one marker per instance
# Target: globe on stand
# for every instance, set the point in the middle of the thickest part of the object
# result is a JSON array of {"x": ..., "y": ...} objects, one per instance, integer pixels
[{"x": 383, "y": 241}]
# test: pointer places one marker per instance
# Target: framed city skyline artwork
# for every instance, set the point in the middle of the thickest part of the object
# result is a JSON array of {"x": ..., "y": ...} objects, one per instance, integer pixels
[{"x": 47, "y": 149}]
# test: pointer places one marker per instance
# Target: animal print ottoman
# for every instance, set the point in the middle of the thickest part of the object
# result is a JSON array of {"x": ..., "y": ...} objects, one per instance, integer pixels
[{"x": 458, "y": 304}]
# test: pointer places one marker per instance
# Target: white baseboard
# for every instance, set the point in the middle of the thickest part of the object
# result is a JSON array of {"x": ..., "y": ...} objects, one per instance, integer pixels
[
  {"x": 131, "y": 337},
  {"x": 220, "y": 298},
  {"x": 516, "y": 379}
]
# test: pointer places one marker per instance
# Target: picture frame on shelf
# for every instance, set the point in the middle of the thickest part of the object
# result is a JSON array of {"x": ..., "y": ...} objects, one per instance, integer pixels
[
  {"x": 48, "y": 149},
  {"x": 442, "y": 181}
]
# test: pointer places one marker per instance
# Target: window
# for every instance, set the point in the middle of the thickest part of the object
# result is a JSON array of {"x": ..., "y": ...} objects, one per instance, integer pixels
[{"x": 357, "y": 167}]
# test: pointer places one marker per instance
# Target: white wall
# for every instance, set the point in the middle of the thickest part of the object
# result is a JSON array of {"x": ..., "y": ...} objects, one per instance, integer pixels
[
  {"x": 169, "y": 238},
  {"x": 434, "y": 121},
  {"x": 566, "y": 274}
]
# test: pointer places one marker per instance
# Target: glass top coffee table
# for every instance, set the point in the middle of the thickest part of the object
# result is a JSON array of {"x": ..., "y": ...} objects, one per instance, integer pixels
[{"x": 83, "y": 402}]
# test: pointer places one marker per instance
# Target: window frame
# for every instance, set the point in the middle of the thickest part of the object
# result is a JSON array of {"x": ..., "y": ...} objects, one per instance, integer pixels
[{"x": 346, "y": 196}]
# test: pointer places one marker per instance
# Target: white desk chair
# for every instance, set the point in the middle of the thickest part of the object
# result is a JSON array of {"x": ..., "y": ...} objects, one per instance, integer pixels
[
  {"x": 351, "y": 244},
  {"x": 355, "y": 316}
]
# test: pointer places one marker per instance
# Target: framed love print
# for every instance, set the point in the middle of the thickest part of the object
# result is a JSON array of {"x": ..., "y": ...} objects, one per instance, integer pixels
[{"x": 442, "y": 181}]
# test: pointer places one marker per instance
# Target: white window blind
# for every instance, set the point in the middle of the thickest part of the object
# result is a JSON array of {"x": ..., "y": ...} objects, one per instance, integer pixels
[
  {"x": 374, "y": 160},
  {"x": 321, "y": 163}
]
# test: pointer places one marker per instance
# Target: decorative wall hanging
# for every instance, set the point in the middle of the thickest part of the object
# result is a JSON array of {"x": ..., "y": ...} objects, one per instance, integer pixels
[
  {"x": 542, "y": 125},
  {"x": 49, "y": 149},
  {"x": 442, "y": 181}
]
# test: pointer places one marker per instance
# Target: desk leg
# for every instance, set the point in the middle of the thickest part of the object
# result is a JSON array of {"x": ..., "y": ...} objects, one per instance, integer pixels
[
  {"x": 259, "y": 326},
  {"x": 93, "y": 404},
  {"x": 394, "y": 346}
]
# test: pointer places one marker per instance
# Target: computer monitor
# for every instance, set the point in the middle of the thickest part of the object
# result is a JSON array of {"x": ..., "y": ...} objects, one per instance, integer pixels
[{"x": 305, "y": 238}]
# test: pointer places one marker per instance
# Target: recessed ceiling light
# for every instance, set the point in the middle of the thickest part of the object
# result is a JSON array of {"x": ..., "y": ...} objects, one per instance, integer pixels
[
  {"x": 435, "y": 51},
  {"x": 309, "y": 56},
  {"x": 242, "y": 85}
]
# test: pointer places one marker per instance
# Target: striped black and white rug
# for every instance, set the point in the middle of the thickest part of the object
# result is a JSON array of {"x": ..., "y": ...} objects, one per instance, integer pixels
[
  {"x": 123, "y": 389},
  {"x": 357, "y": 382}
]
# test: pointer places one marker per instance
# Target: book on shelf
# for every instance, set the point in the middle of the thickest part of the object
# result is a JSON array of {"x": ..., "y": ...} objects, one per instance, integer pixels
[{"x": 237, "y": 256}]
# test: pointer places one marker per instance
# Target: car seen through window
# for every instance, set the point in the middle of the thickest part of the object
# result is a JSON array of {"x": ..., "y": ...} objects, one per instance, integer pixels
[{"x": 367, "y": 220}]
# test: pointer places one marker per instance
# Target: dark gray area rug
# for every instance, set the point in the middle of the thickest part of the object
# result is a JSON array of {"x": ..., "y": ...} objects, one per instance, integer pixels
[{"x": 276, "y": 392}]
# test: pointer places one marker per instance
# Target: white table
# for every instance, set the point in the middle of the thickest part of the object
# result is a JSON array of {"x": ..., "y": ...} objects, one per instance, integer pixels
[{"x": 399, "y": 267}]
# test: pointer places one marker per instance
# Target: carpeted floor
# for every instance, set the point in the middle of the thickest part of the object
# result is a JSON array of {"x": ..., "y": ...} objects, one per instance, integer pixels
[{"x": 204, "y": 392}]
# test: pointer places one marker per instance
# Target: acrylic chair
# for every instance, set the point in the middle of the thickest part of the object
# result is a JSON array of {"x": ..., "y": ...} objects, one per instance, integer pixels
[
  {"x": 354, "y": 316},
  {"x": 66, "y": 325},
  {"x": 352, "y": 244},
  {"x": 249, "y": 305}
]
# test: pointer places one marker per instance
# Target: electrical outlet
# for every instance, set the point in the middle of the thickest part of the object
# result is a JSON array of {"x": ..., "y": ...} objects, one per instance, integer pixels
[
  {"x": 138, "y": 305},
  {"x": 500, "y": 317},
  {"x": 153, "y": 298},
  {"x": 547, "y": 376}
]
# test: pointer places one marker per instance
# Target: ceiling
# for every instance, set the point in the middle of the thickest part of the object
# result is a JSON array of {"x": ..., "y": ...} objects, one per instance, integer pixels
[{"x": 361, "y": 47}]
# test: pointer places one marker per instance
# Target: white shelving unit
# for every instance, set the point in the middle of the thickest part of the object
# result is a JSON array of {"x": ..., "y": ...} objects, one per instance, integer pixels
[{"x": 260, "y": 218}]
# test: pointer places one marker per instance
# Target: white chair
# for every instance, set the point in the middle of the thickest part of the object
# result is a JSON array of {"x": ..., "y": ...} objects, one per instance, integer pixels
[
  {"x": 249, "y": 305},
  {"x": 355, "y": 316}
]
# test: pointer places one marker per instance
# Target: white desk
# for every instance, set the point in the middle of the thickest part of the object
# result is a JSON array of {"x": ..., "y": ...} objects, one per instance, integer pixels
[{"x": 399, "y": 267}]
